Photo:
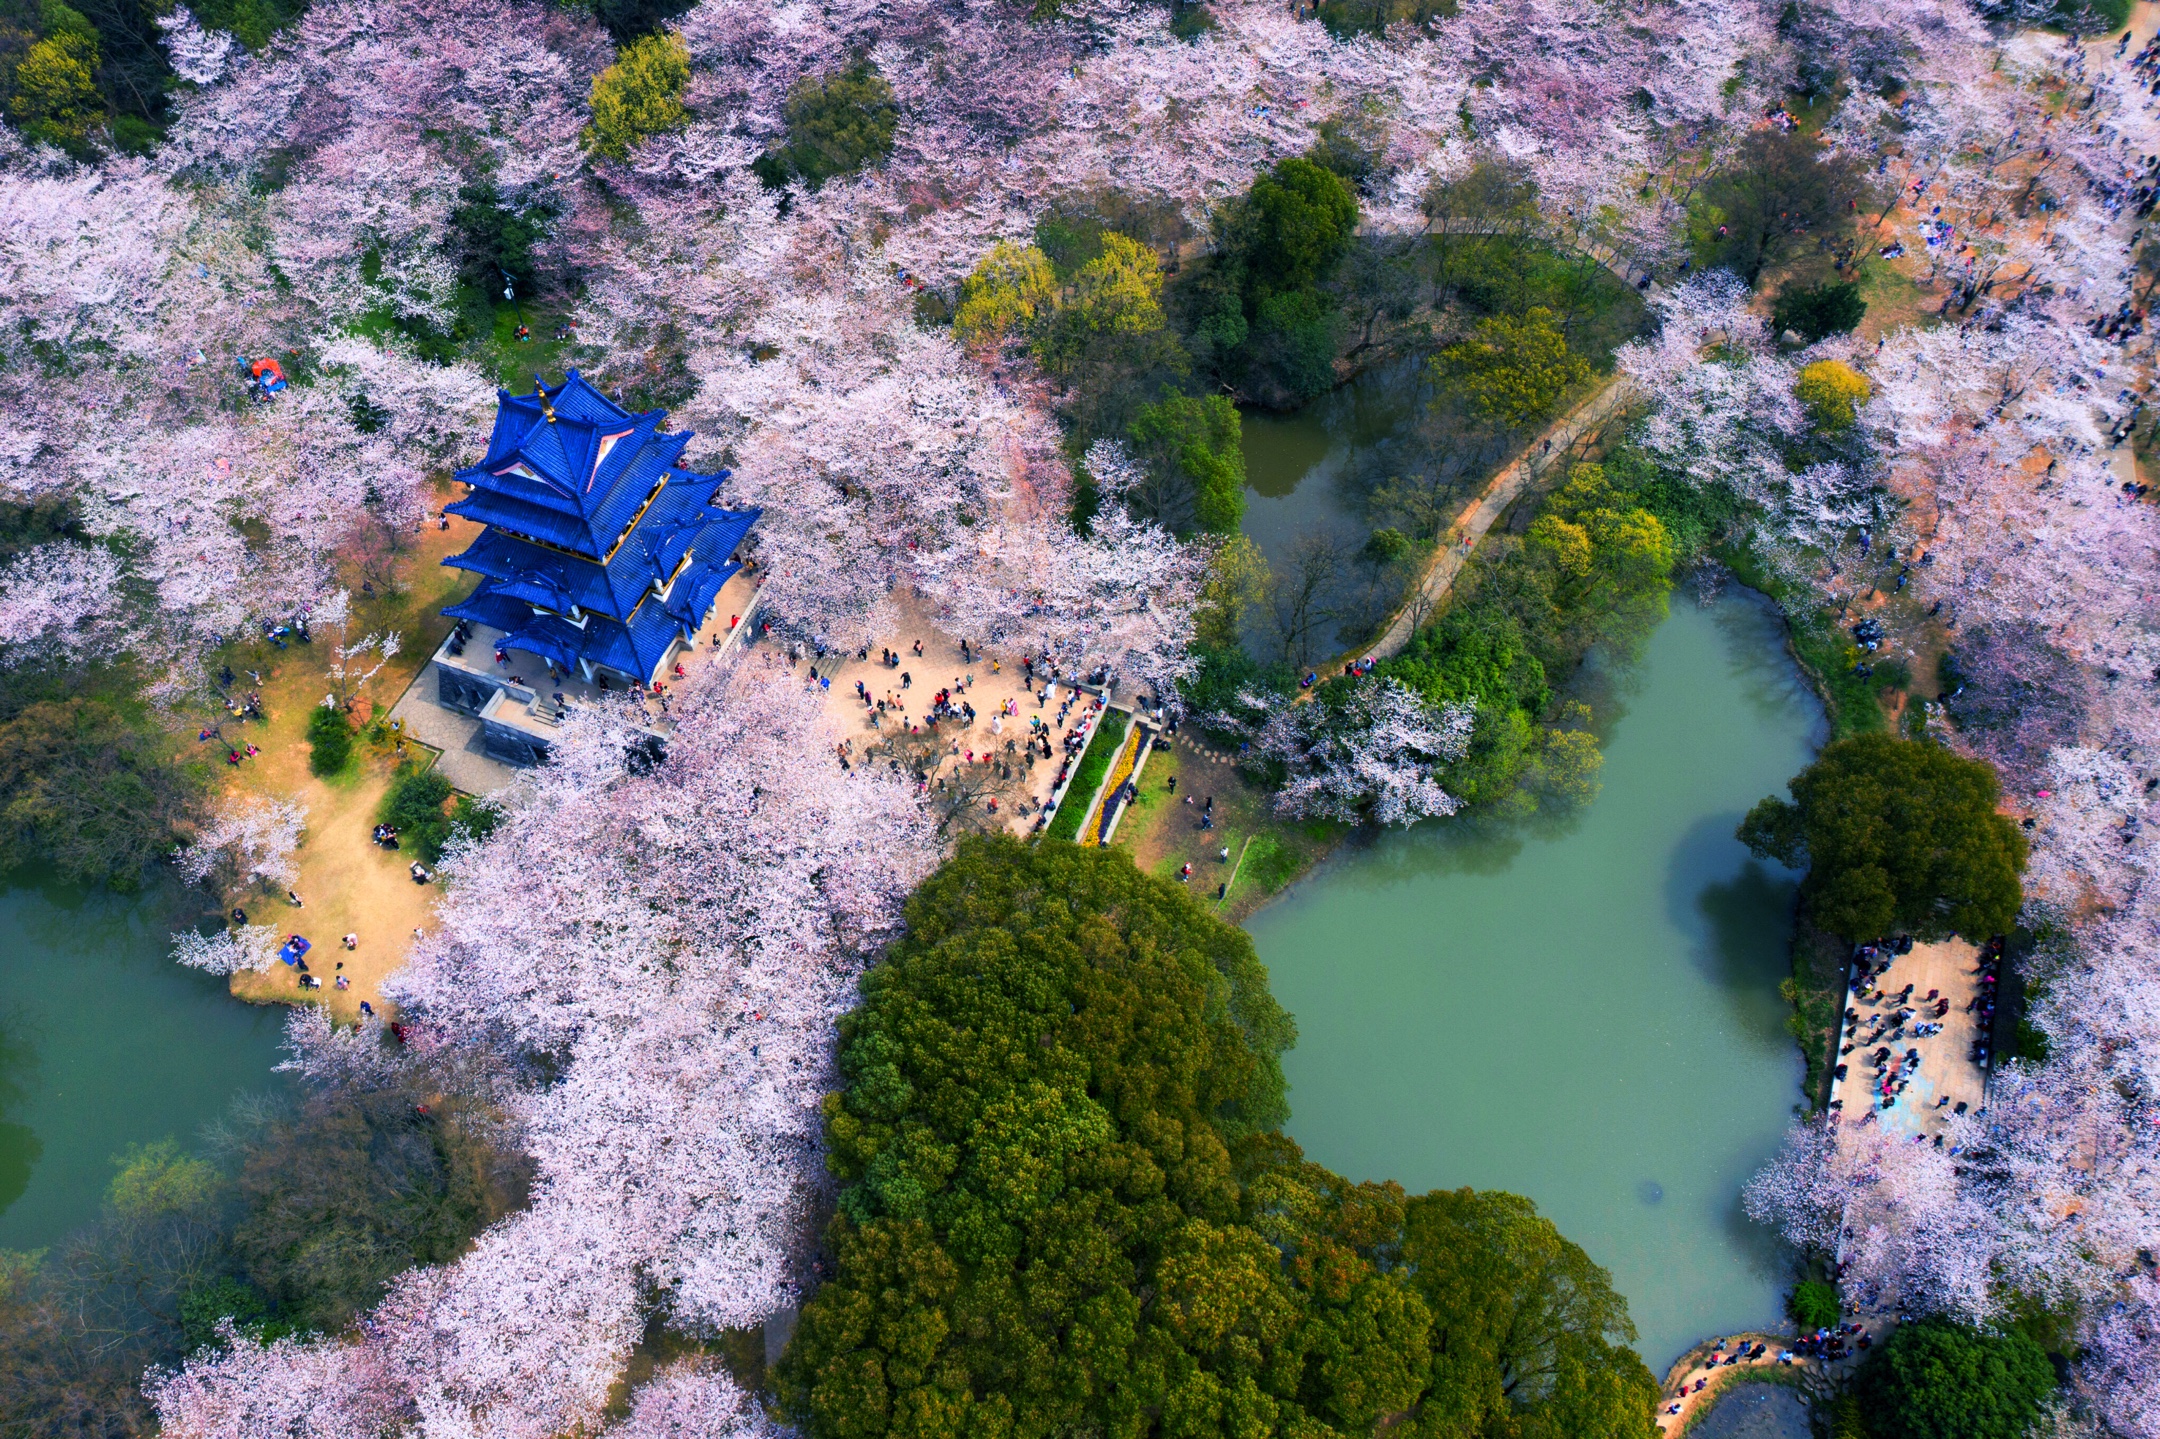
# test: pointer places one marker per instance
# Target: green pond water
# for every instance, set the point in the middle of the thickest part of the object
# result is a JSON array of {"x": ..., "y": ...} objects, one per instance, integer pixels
[
  {"x": 1587, "y": 1016},
  {"x": 104, "y": 1043},
  {"x": 1300, "y": 469}
]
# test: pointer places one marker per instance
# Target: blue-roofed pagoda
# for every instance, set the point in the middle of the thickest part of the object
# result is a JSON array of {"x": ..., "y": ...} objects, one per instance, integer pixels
[{"x": 602, "y": 556}]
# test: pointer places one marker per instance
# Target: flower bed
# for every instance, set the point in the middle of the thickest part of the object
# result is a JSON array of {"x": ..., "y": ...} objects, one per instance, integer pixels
[{"x": 1095, "y": 762}]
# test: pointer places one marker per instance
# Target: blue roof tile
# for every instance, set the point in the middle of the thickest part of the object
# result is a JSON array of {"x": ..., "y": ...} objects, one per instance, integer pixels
[{"x": 587, "y": 513}]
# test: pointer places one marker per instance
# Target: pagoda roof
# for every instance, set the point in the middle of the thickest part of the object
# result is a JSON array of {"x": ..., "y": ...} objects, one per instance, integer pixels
[
  {"x": 638, "y": 646},
  {"x": 586, "y": 513},
  {"x": 679, "y": 522},
  {"x": 568, "y": 467}
]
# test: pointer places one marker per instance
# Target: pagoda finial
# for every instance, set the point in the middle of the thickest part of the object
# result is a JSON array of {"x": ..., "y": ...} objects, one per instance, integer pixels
[{"x": 547, "y": 406}]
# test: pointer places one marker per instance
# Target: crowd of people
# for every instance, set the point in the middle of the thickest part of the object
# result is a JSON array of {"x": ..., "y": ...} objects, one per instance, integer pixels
[
  {"x": 1066, "y": 711},
  {"x": 1877, "y": 1019}
]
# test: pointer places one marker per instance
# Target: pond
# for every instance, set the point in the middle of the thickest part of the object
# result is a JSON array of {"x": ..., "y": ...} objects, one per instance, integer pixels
[
  {"x": 1588, "y": 1017},
  {"x": 105, "y": 1043},
  {"x": 1299, "y": 476}
]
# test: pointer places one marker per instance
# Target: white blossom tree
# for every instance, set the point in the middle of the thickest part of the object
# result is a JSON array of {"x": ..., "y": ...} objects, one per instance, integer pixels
[
  {"x": 644, "y": 966},
  {"x": 250, "y": 839},
  {"x": 54, "y": 598},
  {"x": 1363, "y": 751}
]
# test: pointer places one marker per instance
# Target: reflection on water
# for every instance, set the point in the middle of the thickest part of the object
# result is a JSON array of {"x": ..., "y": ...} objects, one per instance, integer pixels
[
  {"x": 1309, "y": 472},
  {"x": 1587, "y": 1015},
  {"x": 19, "y": 1146},
  {"x": 104, "y": 1043},
  {"x": 19, "y": 1151}
]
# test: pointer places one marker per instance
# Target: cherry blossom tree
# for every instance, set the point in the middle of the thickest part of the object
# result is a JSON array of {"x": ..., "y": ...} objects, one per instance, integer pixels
[
  {"x": 694, "y": 1399},
  {"x": 644, "y": 966},
  {"x": 1364, "y": 751},
  {"x": 53, "y": 598},
  {"x": 349, "y": 668},
  {"x": 251, "y": 839},
  {"x": 199, "y": 56},
  {"x": 248, "y": 949}
]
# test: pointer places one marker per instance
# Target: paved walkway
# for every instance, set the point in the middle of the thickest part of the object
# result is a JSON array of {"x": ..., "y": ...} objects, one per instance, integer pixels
[{"x": 465, "y": 761}]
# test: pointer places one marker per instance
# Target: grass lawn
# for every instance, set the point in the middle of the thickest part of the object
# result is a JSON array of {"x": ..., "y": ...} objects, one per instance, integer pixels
[
  {"x": 1164, "y": 833},
  {"x": 348, "y": 884}
]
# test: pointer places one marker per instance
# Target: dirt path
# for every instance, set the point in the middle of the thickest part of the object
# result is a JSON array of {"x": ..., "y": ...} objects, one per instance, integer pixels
[
  {"x": 346, "y": 883},
  {"x": 348, "y": 886},
  {"x": 1471, "y": 526}
]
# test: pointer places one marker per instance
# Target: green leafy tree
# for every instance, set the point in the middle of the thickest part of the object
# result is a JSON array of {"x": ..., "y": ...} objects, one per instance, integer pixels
[
  {"x": 206, "y": 1306},
  {"x": 640, "y": 95},
  {"x": 330, "y": 738},
  {"x": 626, "y": 20},
  {"x": 90, "y": 788},
  {"x": 157, "y": 1179},
  {"x": 1479, "y": 653},
  {"x": 1528, "y": 1334},
  {"x": 1936, "y": 1379},
  {"x": 1813, "y": 1304},
  {"x": 252, "y": 22},
  {"x": 1895, "y": 834},
  {"x": 1294, "y": 225},
  {"x": 1117, "y": 292},
  {"x": 1512, "y": 371},
  {"x": 495, "y": 240},
  {"x": 1569, "y": 759},
  {"x": 474, "y": 817},
  {"x": 414, "y": 806},
  {"x": 1815, "y": 312},
  {"x": 1237, "y": 578},
  {"x": 352, "y": 1186},
  {"x": 1295, "y": 333},
  {"x": 1191, "y": 445},
  {"x": 1107, "y": 337},
  {"x": 1612, "y": 556},
  {"x": 1345, "y": 18},
  {"x": 835, "y": 126},
  {"x": 55, "y": 93},
  {"x": 1065, "y": 1205},
  {"x": 1784, "y": 189},
  {"x": 1472, "y": 653},
  {"x": 1258, "y": 314}
]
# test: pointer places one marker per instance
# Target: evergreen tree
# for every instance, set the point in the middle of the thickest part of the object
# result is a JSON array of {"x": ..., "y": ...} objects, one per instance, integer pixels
[
  {"x": 1896, "y": 834},
  {"x": 1066, "y": 1205}
]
